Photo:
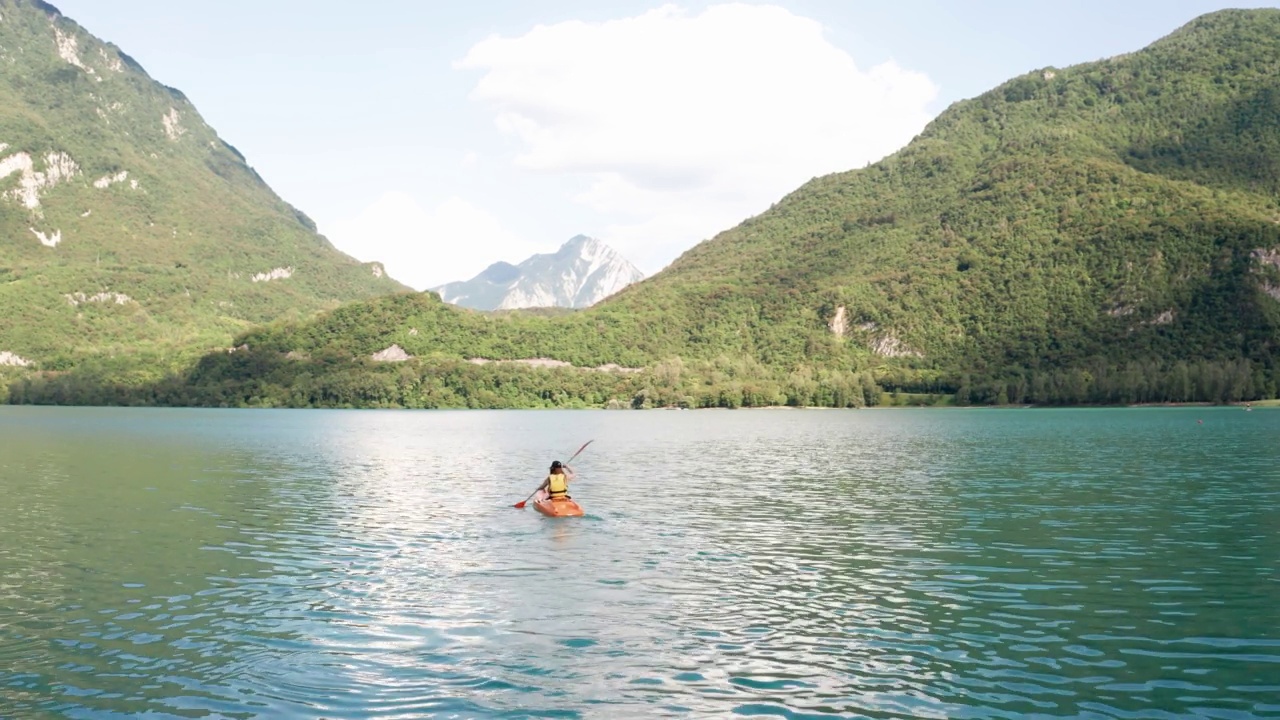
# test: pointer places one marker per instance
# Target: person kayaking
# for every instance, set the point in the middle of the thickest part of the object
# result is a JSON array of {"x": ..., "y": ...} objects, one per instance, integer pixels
[
  {"x": 557, "y": 482},
  {"x": 553, "y": 493}
]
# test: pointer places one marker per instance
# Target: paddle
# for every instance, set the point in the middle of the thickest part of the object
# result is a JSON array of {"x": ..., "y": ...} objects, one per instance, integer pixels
[{"x": 520, "y": 505}]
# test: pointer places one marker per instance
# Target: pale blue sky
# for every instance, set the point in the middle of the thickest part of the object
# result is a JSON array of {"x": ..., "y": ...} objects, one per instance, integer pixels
[{"x": 358, "y": 113}]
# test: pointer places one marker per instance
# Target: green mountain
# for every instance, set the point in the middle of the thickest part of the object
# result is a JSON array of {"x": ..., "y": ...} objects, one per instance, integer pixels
[
  {"x": 1107, "y": 232},
  {"x": 127, "y": 226},
  {"x": 1100, "y": 215}
]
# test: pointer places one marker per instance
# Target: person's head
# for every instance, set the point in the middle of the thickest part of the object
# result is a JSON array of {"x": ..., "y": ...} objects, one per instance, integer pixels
[{"x": 556, "y": 467}]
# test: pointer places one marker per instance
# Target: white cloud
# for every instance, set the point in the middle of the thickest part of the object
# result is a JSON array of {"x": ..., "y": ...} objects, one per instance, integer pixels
[
  {"x": 686, "y": 124},
  {"x": 426, "y": 248}
]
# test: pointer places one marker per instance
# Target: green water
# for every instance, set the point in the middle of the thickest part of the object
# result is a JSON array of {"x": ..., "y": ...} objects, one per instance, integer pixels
[{"x": 895, "y": 563}]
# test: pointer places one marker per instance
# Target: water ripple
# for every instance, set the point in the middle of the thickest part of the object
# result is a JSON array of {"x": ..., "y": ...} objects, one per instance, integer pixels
[{"x": 780, "y": 564}]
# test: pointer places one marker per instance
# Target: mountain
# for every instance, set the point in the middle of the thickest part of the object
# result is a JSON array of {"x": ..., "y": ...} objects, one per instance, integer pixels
[
  {"x": 580, "y": 274},
  {"x": 127, "y": 226},
  {"x": 1102, "y": 233},
  {"x": 1113, "y": 219}
]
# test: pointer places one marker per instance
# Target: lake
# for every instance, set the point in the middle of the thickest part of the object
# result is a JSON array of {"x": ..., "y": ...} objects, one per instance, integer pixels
[{"x": 1102, "y": 563}]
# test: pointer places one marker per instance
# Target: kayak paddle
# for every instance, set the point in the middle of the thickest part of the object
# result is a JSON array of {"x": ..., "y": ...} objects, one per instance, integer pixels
[{"x": 520, "y": 505}]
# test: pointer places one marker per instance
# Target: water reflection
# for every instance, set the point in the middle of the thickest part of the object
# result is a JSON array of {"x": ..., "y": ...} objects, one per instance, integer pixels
[{"x": 935, "y": 564}]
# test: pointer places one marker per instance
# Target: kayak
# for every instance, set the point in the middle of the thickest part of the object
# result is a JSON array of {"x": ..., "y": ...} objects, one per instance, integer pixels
[{"x": 559, "y": 507}]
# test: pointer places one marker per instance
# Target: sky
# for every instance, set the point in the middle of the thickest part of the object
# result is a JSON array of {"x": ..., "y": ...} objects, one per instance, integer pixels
[{"x": 439, "y": 137}]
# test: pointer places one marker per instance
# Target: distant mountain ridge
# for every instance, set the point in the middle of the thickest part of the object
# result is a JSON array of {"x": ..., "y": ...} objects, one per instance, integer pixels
[
  {"x": 580, "y": 274},
  {"x": 128, "y": 227}
]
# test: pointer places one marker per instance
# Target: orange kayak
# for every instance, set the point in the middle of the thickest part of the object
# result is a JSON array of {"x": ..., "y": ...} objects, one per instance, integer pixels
[{"x": 559, "y": 507}]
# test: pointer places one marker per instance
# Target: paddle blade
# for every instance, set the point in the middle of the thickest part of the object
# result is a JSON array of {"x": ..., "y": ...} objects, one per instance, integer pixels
[
  {"x": 520, "y": 505},
  {"x": 584, "y": 447}
]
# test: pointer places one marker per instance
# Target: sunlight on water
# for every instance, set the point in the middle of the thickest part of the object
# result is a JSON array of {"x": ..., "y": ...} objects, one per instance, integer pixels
[{"x": 980, "y": 564}]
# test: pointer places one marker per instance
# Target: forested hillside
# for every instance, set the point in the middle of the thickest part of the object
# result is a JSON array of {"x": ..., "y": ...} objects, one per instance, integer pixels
[
  {"x": 1100, "y": 215},
  {"x": 1108, "y": 232}
]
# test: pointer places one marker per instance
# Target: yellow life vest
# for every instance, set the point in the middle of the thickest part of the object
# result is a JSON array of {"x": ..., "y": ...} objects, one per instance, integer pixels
[{"x": 557, "y": 485}]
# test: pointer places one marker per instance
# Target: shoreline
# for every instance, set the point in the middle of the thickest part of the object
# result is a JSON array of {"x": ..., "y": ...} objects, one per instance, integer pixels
[
  {"x": 1270, "y": 404},
  {"x": 1249, "y": 404}
]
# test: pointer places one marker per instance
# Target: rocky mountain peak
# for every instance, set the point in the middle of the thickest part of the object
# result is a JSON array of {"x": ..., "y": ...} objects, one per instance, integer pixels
[{"x": 582, "y": 272}]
